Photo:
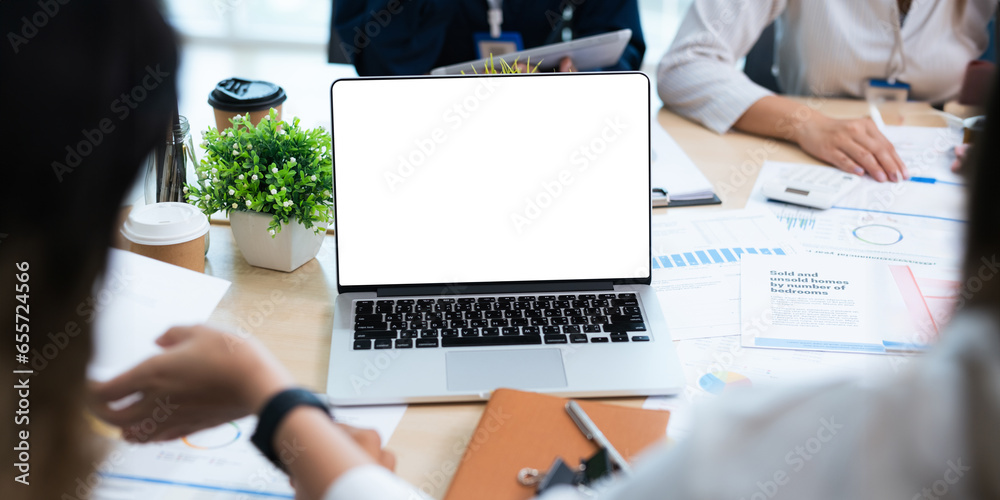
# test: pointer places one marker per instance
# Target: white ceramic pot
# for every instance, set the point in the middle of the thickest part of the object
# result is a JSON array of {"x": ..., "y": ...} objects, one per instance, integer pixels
[{"x": 293, "y": 246}]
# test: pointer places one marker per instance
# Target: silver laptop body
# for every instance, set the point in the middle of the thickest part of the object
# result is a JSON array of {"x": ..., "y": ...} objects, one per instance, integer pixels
[{"x": 494, "y": 231}]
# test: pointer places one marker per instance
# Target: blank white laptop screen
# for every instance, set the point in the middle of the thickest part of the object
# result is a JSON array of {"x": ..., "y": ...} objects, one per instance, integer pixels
[{"x": 491, "y": 179}]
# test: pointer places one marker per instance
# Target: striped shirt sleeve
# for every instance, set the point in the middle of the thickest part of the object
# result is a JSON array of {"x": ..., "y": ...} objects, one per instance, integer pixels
[{"x": 697, "y": 77}]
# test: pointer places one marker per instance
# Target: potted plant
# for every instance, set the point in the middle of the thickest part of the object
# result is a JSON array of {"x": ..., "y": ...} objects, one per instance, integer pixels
[{"x": 273, "y": 180}]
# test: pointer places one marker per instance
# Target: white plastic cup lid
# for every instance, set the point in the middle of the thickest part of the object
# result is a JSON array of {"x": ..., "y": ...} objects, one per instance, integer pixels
[{"x": 167, "y": 223}]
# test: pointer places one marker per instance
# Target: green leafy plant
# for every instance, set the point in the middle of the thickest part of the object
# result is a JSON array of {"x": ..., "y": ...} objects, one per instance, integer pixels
[{"x": 274, "y": 167}]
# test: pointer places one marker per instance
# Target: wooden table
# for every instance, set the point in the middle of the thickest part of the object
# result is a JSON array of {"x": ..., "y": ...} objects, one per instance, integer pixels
[{"x": 292, "y": 313}]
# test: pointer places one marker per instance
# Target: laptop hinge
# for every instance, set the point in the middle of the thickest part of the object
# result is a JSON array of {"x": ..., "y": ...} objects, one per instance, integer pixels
[{"x": 495, "y": 288}]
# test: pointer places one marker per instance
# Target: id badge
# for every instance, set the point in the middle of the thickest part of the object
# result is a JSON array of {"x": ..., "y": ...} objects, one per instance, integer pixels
[
  {"x": 877, "y": 90},
  {"x": 507, "y": 42}
]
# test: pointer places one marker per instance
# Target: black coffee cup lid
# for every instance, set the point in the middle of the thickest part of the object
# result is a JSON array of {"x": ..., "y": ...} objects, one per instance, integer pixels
[{"x": 237, "y": 94}]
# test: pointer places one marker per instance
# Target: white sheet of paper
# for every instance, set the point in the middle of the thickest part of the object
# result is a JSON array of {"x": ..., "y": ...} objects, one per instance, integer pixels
[
  {"x": 719, "y": 365},
  {"x": 701, "y": 298},
  {"x": 833, "y": 304},
  {"x": 383, "y": 419},
  {"x": 907, "y": 222},
  {"x": 673, "y": 170},
  {"x": 139, "y": 299}
]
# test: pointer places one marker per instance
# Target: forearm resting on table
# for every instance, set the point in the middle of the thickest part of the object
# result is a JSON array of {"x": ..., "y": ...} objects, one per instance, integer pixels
[
  {"x": 776, "y": 116},
  {"x": 315, "y": 451}
]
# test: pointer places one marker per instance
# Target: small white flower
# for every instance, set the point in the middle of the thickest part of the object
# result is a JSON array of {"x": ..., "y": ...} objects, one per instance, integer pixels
[
  {"x": 232, "y": 192},
  {"x": 241, "y": 177},
  {"x": 274, "y": 170},
  {"x": 215, "y": 170},
  {"x": 274, "y": 191},
  {"x": 204, "y": 144},
  {"x": 268, "y": 117},
  {"x": 249, "y": 203},
  {"x": 313, "y": 177},
  {"x": 283, "y": 188},
  {"x": 229, "y": 132},
  {"x": 287, "y": 203},
  {"x": 291, "y": 160},
  {"x": 253, "y": 177},
  {"x": 208, "y": 196},
  {"x": 281, "y": 132},
  {"x": 271, "y": 231},
  {"x": 322, "y": 150},
  {"x": 249, "y": 146},
  {"x": 234, "y": 204}
]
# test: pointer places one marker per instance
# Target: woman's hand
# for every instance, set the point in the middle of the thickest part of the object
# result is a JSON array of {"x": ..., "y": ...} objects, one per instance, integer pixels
[
  {"x": 855, "y": 146},
  {"x": 961, "y": 151},
  {"x": 204, "y": 377}
]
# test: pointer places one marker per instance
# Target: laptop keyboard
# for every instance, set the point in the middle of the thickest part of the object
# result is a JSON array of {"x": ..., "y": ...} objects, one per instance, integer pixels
[{"x": 498, "y": 321}]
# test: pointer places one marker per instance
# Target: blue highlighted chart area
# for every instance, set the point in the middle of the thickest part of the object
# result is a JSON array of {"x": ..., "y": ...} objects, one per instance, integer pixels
[
  {"x": 710, "y": 256},
  {"x": 724, "y": 381}
]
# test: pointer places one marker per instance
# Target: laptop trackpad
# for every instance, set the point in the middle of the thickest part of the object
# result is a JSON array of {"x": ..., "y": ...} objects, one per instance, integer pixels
[{"x": 515, "y": 369}]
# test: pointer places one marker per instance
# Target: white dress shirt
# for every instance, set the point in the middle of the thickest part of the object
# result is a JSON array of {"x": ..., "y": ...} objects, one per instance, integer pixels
[
  {"x": 929, "y": 432},
  {"x": 823, "y": 48}
]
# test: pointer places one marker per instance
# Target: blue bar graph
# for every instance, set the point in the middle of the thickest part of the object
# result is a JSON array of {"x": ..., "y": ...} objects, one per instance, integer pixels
[
  {"x": 710, "y": 256},
  {"x": 703, "y": 257}
]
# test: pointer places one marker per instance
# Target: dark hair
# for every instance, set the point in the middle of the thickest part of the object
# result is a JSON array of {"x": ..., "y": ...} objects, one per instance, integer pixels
[
  {"x": 981, "y": 278},
  {"x": 88, "y": 89}
]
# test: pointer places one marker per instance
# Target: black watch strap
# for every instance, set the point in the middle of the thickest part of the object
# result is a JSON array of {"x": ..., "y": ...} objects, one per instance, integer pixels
[{"x": 273, "y": 413}]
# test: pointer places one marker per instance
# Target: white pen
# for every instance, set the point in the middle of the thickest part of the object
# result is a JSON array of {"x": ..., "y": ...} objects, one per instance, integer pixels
[
  {"x": 876, "y": 117},
  {"x": 592, "y": 433}
]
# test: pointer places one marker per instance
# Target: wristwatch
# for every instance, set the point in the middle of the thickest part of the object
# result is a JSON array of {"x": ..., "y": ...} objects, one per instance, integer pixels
[{"x": 274, "y": 412}]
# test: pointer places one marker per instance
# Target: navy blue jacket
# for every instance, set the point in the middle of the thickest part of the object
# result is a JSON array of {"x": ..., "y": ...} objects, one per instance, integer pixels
[{"x": 411, "y": 37}]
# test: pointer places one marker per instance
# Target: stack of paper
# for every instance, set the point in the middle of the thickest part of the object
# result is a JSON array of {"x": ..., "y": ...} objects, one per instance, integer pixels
[{"x": 674, "y": 172}]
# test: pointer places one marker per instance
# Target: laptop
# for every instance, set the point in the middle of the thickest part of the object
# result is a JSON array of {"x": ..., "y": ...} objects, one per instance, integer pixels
[{"x": 494, "y": 231}]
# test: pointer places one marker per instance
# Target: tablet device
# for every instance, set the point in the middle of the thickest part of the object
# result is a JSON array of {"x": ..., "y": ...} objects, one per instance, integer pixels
[{"x": 588, "y": 53}]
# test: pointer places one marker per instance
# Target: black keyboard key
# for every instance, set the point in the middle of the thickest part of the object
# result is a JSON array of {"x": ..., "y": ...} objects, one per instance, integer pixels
[
  {"x": 427, "y": 342},
  {"x": 474, "y": 315},
  {"x": 404, "y": 302},
  {"x": 364, "y": 303},
  {"x": 561, "y": 304},
  {"x": 530, "y": 330},
  {"x": 459, "y": 324},
  {"x": 446, "y": 301},
  {"x": 619, "y": 338},
  {"x": 397, "y": 325},
  {"x": 383, "y": 302},
  {"x": 466, "y": 300},
  {"x": 571, "y": 313},
  {"x": 383, "y": 309},
  {"x": 424, "y": 307},
  {"x": 482, "y": 300},
  {"x": 553, "y": 313},
  {"x": 600, "y": 320},
  {"x": 491, "y": 332},
  {"x": 551, "y": 330},
  {"x": 371, "y": 327},
  {"x": 404, "y": 344},
  {"x": 626, "y": 318},
  {"x": 425, "y": 301},
  {"x": 624, "y": 302},
  {"x": 514, "y": 313},
  {"x": 383, "y": 344},
  {"x": 555, "y": 339},
  {"x": 640, "y": 338},
  {"x": 539, "y": 322},
  {"x": 478, "y": 323},
  {"x": 463, "y": 307},
  {"x": 404, "y": 308},
  {"x": 451, "y": 316},
  {"x": 443, "y": 307},
  {"x": 579, "y": 304},
  {"x": 578, "y": 321},
  {"x": 548, "y": 298},
  {"x": 469, "y": 332},
  {"x": 394, "y": 317},
  {"x": 560, "y": 321},
  {"x": 519, "y": 322},
  {"x": 493, "y": 314},
  {"x": 626, "y": 295},
  {"x": 408, "y": 334},
  {"x": 592, "y": 328},
  {"x": 571, "y": 329},
  {"x": 449, "y": 332},
  {"x": 507, "y": 298},
  {"x": 490, "y": 341},
  {"x": 567, "y": 297},
  {"x": 598, "y": 340},
  {"x": 578, "y": 338},
  {"x": 429, "y": 333},
  {"x": 438, "y": 323},
  {"x": 521, "y": 306},
  {"x": 631, "y": 310},
  {"x": 364, "y": 309},
  {"x": 483, "y": 306},
  {"x": 510, "y": 330},
  {"x": 625, "y": 327},
  {"x": 419, "y": 325},
  {"x": 588, "y": 296},
  {"x": 499, "y": 322},
  {"x": 360, "y": 345},
  {"x": 534, "y": 313},
  {"x": 607, "y": 296},
  {"x": 368, "y": 318}
]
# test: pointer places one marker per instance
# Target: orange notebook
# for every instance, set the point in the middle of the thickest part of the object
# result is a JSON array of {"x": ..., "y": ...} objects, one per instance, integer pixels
[{"x": 526, "y": 429}]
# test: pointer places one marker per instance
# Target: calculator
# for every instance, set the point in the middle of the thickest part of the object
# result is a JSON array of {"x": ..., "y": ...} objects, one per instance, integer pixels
[{"x": 811, "y": 186}]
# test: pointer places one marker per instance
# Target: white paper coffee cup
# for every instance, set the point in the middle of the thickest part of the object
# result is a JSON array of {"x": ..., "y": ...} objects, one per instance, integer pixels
[{"x": 170, "y": 232}]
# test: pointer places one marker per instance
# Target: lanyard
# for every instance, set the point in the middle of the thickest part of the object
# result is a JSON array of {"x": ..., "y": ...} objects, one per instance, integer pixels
[
  {"x": 494, "y": 16},
  {"x": 897, "y": 46}
]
